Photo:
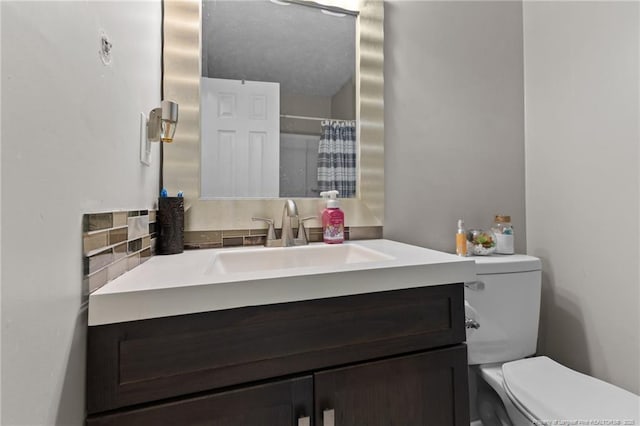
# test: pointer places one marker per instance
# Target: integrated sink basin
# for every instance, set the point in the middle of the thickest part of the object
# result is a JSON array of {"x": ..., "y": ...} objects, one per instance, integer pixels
[
  {"x": 218, "y": 279},
  {"x": 268, "y": 259}
]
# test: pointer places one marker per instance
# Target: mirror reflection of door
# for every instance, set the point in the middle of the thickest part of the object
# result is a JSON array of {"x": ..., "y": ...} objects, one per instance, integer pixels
[
  {"x": 240, "y": 138},
  {"x": 311, "y": 53}
]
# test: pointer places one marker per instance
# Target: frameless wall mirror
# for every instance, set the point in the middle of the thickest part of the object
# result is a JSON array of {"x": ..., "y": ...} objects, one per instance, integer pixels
[
  {"x": 328, "y": 68},
  {"x": 277, "y": 89}
]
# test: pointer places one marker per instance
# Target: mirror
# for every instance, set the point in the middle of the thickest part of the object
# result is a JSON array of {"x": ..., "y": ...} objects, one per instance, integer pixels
[
  {"x": 182, "y": 68},
  {"x": 273, "y": 73}
]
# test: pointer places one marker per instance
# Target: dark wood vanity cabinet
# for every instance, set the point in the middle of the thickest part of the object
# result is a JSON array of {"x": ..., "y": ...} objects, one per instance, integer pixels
[
  {"x": 386, "y": 358},
  {"x": 428, "y": 388},
  {"x": 281, "y": 402}
]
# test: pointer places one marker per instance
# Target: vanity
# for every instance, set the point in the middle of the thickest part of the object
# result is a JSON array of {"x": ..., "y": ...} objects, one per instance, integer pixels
[{"x": 366, "y": 333}]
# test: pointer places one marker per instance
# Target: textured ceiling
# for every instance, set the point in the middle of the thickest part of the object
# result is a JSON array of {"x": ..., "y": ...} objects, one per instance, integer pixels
[{"x": 306, "y": 51}]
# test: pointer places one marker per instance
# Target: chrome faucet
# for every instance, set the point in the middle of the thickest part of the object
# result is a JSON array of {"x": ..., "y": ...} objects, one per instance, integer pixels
[
  {"x": 290, "y": 219},
  {"x": 289, "y": 213}
]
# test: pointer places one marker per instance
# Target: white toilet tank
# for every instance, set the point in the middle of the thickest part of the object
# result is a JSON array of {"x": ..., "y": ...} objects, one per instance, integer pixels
[{"x": 505, "y": 302}]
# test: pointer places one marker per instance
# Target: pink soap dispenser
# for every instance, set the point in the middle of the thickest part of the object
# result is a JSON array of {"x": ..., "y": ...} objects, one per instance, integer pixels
[{"x": 332, "y": 219}]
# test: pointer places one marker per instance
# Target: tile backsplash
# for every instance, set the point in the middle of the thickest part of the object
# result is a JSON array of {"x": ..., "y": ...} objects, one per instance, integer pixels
[
  {"x": 256, "y": 237},
  {"x": 114, "y": 243}
]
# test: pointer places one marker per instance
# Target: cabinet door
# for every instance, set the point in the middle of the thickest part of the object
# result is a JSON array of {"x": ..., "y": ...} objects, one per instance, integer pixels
[
  {"x": 429, "y": 388},
  {"x": 282, "y": 403}
]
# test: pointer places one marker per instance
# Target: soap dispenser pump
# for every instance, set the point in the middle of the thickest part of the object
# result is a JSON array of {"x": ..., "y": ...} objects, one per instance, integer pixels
[{"x": 332, "y": 219}]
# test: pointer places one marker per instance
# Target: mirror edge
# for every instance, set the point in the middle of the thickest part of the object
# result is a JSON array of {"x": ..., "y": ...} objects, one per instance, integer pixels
[{"x": 181, "y": 83}]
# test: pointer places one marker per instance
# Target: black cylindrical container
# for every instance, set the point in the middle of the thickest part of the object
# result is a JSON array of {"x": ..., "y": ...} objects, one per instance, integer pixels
[{"x": 171, "y": 225}]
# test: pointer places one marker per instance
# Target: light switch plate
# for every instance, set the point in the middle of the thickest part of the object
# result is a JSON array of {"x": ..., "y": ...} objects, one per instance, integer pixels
[{"x": 145, "y": 145}]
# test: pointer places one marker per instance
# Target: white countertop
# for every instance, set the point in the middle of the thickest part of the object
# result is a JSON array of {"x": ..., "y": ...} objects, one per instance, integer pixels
[{"x": 188, "y": 283}]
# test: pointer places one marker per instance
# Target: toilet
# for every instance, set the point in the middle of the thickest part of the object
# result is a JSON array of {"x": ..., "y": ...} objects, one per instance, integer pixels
[{"x": 514, "y": 387}]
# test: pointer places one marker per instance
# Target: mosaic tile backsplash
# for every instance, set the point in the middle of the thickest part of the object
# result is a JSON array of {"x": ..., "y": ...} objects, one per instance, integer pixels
[
  {"x": 257, "y": 237},
  {"x": 114, "y": 243}
]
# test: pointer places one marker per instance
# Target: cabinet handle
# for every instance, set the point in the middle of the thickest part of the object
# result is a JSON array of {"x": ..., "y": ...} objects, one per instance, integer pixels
[
  {"x": 329, "y": 417},
  {"x": 304, "y": 421}
]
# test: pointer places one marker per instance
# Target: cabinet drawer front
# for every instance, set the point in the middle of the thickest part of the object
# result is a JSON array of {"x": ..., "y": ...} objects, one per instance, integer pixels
[
  {"x": 142, "y": 361},
  {"x": 272, "y": 404}
]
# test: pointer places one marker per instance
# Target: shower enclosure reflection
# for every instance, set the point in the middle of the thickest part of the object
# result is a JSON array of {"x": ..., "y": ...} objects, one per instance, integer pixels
[{"x": 272, "y": 74}]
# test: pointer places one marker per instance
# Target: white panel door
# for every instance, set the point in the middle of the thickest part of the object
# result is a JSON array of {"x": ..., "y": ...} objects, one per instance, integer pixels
[{"x": 240, "y": 138}]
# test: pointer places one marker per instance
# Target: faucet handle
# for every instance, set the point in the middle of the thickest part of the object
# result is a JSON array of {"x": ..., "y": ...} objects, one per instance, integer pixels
[
  {"x": 302, "y": 232},
  {"x": 271, "y": 232}
]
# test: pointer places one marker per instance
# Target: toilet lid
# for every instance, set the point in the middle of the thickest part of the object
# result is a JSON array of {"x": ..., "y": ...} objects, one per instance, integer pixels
[{"x": 549, "y": 391}]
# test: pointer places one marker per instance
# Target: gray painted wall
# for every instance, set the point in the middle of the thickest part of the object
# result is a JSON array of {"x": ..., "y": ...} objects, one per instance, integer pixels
[
  {"x": 70, "y": 145},
  {"x": 454, "y": 131},
  {"x": 582, "y": 135}
]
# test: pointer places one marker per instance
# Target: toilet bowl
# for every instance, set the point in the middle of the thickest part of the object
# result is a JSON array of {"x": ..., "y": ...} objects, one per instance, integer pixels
[
  {"x": 540, "y": 391},
  {"x": 516, "y": 389}
]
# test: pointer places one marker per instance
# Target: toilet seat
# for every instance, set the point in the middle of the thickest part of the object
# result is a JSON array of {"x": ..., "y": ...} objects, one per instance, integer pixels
[
  {"x": 546, "y": 391},
  {"x": 530, "y": 419}
]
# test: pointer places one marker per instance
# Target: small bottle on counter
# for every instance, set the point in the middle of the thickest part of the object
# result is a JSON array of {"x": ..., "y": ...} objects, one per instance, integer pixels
[
  {"x": 504, "y": 234},
  {"x": 461, "y": 239}
]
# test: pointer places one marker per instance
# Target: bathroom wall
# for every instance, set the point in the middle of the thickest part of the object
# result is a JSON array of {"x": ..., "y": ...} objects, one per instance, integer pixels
[
  {"x": 582, "y": 171},
  {"x": 299, "y": 165},
  {"x": 454, "y": 131},
  {"x": 70, "y": 145},
  {"x": 343, "y": 102},
  {"x": 0, "y": 222},
  {"x": 306, "y": 105}
]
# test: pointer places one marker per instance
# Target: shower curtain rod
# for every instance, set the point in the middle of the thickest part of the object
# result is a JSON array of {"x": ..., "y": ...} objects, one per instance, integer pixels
[
  {"x": 304, "y": 117},
  {"x": 331, "y": 9}
]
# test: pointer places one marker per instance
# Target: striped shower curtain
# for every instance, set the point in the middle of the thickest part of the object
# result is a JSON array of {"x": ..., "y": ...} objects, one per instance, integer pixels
[{"x": 337, "y": 157}]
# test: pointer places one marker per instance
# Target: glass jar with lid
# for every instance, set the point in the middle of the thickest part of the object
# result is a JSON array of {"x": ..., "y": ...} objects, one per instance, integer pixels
[
  {"x": 481, "y": 242},
  {"x": 503, "y": 231}
]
